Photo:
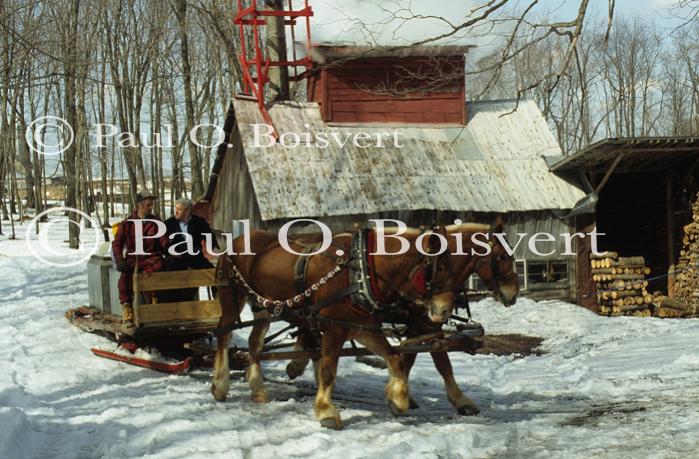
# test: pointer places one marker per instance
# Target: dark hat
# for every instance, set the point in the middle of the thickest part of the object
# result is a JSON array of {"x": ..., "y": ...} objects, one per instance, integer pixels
[{"x": 145, "y": 194}]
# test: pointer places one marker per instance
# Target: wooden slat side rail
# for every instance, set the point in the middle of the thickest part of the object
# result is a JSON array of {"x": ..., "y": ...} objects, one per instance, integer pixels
[
  {"x": 181, "y": 311},
  {"x": 136, "y": 297},
  {"x": 168, "y": 280},
  {"x": 180, "y": 326}
]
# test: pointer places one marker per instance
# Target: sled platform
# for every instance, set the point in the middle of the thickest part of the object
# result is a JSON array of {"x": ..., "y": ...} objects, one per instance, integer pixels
[
  {"x": 159, "y": 364},
  {"x": 92, "y": 320}
]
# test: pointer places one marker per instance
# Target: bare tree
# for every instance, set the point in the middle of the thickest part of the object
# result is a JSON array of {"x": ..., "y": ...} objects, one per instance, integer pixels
[
  {"x": 134, "y": 32},
  {"x": 180, "y": 8}
]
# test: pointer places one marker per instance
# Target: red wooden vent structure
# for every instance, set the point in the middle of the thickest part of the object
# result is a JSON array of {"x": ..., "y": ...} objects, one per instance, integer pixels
[
  {"x": 421, "y": 85},
  {"x": 254, "y": 62}
]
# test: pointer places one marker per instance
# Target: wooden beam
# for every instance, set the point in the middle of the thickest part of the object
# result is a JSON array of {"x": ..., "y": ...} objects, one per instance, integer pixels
[
  {"x": 168, "y": 280},
  {"x": 670, "y": 235},
  {"x": 179, "y": 312},
  {"x": 584, "y": 181},
  {"x": 136, "y": 297},
  {"x": 609, "y": 173},
  {"x": 444, "y": 345}
]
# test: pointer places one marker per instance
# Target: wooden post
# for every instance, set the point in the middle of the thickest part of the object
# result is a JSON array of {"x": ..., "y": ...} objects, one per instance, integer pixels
[
  {"x": 670, "y": 235},
  {"x": 585, "y": 288},
  {"x": 276, "y": 51},
  {"x": 609, "y": 173},
  {"x": 136, "y": 295}
]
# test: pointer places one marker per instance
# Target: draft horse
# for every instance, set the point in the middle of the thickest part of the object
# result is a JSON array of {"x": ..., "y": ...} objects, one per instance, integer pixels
[
  {"x": 496, "y": 270},
  {"x": 343, "y": 285}
]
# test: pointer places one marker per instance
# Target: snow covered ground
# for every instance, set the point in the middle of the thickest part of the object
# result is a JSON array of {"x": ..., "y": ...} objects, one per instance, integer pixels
[{"x": 606, "y": 387}]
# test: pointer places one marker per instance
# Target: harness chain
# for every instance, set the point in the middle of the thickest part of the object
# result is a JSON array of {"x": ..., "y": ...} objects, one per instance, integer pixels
[{"x": 277, "y": 306}]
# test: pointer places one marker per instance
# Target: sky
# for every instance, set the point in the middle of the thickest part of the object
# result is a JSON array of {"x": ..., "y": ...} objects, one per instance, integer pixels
[
  {"x": 657, "y": 11},
  {"x": 338, "y": 20}
]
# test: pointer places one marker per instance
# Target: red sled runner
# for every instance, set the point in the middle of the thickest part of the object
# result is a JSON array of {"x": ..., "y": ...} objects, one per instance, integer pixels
[{"x": 126, "y": 352}]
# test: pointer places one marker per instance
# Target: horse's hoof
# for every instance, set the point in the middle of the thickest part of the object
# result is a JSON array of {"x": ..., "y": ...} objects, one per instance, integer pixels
[
  {"x": 260, "y": 397},
  {"x": 219, "y": 396},
  {"x": 413, "y": 404},
  {"x": 468, "y": 410},
  {"x": 295, "y": 369},
  {"x": 331, "y": 423},
  {"x": 395, "y": 410}
]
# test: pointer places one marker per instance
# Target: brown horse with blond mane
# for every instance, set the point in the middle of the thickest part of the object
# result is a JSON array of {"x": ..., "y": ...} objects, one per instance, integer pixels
[
  {"x": 496, "y": 271},
  {"x": 269, "y": 278}
]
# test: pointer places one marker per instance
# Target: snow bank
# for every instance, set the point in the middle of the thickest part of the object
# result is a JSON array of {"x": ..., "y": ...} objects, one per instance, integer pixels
[{"x": 606, "y": 387}]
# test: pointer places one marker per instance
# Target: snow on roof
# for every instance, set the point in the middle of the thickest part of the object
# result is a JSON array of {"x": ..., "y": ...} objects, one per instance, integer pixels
[
  {"x": 323, "y": 53},
  {"x": 493, "y": 164}
]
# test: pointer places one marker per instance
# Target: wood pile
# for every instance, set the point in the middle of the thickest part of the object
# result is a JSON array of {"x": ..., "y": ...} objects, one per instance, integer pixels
[
  {"x": 670, "y": 308},
  {"x": 621, "y": 285},
  {"x": 685, "y": 298}
]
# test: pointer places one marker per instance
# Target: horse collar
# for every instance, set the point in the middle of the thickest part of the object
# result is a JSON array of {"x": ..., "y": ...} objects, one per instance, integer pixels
[{"x": 367, "y": 296}]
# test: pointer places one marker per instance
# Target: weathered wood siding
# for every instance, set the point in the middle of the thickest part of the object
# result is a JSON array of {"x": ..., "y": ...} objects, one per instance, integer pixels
[
  {"x": 234, "y": 198},
  {"x": 585, "y": 290},
  {"x": 400, "y": 90}
]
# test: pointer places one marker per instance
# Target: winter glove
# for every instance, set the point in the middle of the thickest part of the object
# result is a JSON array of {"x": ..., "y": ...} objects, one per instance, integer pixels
[{"x": 122, "y": 266}]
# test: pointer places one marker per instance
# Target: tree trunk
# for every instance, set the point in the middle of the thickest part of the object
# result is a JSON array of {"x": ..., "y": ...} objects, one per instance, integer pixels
[
  {"x": 70, "y": 48},
  {"x": 25, "y": 156},
  {"x": 194, "y": 154}
]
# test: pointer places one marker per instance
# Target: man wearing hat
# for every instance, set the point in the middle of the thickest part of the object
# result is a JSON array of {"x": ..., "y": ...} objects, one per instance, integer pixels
[
  {"x": 154, "y": 242},
  {"x": 180, "y": 227}
]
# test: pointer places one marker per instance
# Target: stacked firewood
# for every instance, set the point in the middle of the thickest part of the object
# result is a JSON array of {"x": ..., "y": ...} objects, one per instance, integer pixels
[
  {"x": 621, "y": 285},
  {"x": 685, "y": 298},
  {"x": 670, "y": 308}
]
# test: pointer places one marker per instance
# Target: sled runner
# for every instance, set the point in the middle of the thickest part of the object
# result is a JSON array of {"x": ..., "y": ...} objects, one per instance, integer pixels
[{"x": 133, "y": 355}]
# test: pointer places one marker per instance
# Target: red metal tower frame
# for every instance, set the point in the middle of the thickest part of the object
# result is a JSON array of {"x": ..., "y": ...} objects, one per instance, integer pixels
[{"x": 254, "y": 86}]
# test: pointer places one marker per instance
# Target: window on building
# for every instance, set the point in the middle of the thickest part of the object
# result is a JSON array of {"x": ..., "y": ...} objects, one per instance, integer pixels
[
  {"x": 546, "y": 274},
  {"x": 521, "y": 269},
  {"x": 532, "y": 275}
]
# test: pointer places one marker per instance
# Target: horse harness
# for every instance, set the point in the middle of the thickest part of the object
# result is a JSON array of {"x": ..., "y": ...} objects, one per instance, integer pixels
[
  {"x": 498, "y": 277},
  {"x": 362, "y": 289}
]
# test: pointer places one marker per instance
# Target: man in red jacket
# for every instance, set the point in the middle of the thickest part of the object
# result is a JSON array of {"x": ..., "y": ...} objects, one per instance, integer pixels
[{"x": 141, "y": 238}]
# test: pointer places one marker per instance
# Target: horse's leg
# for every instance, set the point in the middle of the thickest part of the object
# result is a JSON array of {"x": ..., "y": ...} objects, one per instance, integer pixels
[
  {"x": 230, "y": 302},
  {"x": 324, "y": 409},
  {"x": 296, "y": 367},
  {"x": 221, "y": 382},
  {"x": 463, "y": 404},
  {"x": 256, "y": 343},
  {"x": 408, "y": 362},
  {"x": 397, "y": 392},
  {"x": 316, "y": 369}
]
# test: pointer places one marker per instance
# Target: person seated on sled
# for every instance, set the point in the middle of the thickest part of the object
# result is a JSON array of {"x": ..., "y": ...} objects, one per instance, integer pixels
[
  {"x": 182, "y": 254},
  {"x": 154, "y": 243}
]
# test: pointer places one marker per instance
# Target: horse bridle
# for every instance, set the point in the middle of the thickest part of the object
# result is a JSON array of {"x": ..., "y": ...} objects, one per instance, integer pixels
[{"x": 498, "y": 278}]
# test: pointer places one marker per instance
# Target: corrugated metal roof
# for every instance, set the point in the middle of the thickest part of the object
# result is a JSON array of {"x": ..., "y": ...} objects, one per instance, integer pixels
[
  {"x": 640, "y": 154},
  {"x": 493, "y": 164}
]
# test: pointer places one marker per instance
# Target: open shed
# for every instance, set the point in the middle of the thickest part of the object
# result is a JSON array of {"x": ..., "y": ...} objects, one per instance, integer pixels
[{"x": 643, "y": 188}]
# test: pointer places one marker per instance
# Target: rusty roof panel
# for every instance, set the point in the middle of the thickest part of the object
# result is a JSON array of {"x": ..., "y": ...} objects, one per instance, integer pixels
[
  {"x": 640, "y": 154},
  {"x": 493, "y": 164}
]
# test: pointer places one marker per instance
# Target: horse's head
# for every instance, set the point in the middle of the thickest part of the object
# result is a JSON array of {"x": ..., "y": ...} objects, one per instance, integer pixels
[
  {"x": 449, "y": 258},
  {"x": 445, "y": 274},
  {"x": 497, "y": 269},
  {"x": 494, "y": 266}
]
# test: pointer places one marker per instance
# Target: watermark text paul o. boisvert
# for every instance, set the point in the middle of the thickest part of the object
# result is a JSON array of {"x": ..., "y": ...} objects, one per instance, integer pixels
[
  {"x": 51, "y": 135},
  {"x": 459, "y": 243},
  {"x": 480, "y": 241}
]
